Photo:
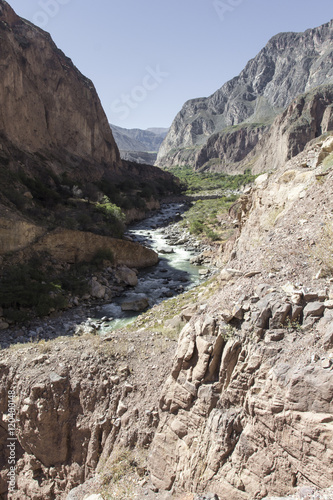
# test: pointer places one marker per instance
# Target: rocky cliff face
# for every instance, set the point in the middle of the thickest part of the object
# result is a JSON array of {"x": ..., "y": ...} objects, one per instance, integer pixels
[
  {"x": 47, "y": 105},
  {"x": 290, "y": 64},
  {"x": 73, "y": 407},
  {"x": 55, "y": 139},
  {"x": 137, "y": 139},
  {"x": 51, "y": 118},
  {"x": 138, "y": 145},
  {"x": 264, "y": 148}
]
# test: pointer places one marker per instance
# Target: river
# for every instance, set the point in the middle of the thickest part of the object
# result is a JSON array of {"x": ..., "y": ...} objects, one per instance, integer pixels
[{"x": 173, "y": 274}]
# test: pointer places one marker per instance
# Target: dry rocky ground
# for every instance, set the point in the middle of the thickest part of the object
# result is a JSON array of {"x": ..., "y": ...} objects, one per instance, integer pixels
[{"x": 226, "y": 389}]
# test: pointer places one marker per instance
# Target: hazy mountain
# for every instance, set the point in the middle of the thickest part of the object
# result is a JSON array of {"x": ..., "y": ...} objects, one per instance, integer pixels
[{"x": 138, "y": 145}]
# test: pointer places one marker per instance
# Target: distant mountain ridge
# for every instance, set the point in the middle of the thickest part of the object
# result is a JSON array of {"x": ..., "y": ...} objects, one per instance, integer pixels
[
  {"x": 134, "y": 144},
  {"x": 289, "y": 65}
]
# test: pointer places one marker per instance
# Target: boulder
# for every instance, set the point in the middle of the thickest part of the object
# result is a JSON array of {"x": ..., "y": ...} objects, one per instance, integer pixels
[
  {"x": 135, "y": 303},
  {"x": 327, "y": 146},
  {"x": 97, "y": 290},
  {"x": 126, "y": 275},
  {"x": 3, "y": 325},
  {"x": 328, "y": 338},
  {"x": 314, "y": 309},
  {"x": 166, "y": 250}
]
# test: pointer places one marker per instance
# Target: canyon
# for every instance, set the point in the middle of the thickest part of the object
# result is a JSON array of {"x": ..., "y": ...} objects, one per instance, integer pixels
[{"x": 223, "y": 391}]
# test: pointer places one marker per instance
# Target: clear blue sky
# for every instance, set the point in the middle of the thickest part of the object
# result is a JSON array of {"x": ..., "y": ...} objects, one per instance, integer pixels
[{"x": 147, "y": 57}]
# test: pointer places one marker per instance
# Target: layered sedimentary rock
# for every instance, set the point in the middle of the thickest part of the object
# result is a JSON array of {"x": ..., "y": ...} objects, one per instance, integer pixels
[{"x": 79, "y": 246}]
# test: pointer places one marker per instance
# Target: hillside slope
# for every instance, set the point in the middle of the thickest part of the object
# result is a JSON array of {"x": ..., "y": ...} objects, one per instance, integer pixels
[
  {"x": 137, "y": 139},
  {"x": 246, "y": 411},
  {"x": 289, "y": 65}
]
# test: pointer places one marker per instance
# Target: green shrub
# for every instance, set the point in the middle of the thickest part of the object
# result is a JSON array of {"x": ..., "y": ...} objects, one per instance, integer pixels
[
  {"x": 110, "y": 210},
  {"x": 140, "y": 203},
  {"x": 212, "y": 235},
  {"x": 113, "y": 215},
  {"x": 26, "y": 289},
  {"x": 85, "y": 221},
  {"x": 196, "y": 227},
  {"x": 148, "y": 192}
]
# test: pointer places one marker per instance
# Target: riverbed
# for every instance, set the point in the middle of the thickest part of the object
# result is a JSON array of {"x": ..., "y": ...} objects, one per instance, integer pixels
[{"x": 174, "y": 272}]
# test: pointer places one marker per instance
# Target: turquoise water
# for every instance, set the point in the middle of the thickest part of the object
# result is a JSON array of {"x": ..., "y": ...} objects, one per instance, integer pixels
[{"x": 171, "y": 276}]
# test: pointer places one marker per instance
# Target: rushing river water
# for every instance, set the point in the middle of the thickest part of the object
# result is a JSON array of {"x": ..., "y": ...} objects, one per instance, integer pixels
[{"x": 172, "y": 275}]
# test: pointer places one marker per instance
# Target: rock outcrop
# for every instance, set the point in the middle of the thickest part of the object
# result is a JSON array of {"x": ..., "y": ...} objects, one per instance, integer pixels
[
  {"x": 289, "y": 65},
  {"x": 75, "y": 402},
  {"x": 79, "y": 246},
  {"x": 240, "y": 413},
  {"x": 16, "y": 233},
  {"x": 266, "y": 148},
  {"x": 306, "y": 118}
]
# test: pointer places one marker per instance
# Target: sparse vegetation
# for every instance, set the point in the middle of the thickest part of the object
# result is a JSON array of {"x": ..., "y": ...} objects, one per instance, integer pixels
[
  {"x": 102, "y": 255},
  {"x": 121, "y": 473},
  {"x": 44, "y": 346},
  {"x": 209, "y": 218},
  {"x": 292, "y": 325},
  {"x": 26, "y": 289},
  {"x": 35, "y": 288},
  {"x": 328, "y": 162},
  {"x": 113, "y": 215},
  {"x": 156, "y": 319},
  {"x": 195, "y": 182},
  {"x": 322, "y": 251}
]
